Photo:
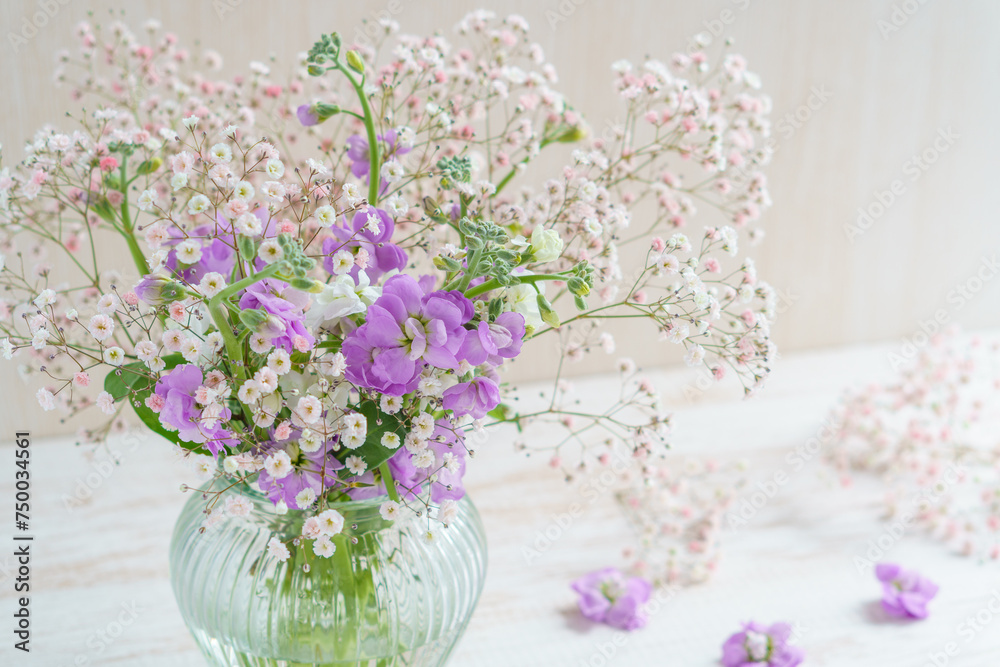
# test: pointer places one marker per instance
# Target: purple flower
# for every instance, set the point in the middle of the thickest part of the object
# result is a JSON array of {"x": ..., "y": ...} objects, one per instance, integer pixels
[
  {"x": 285, "y": 306},
  {"x": 448, "y": 445},
  {"x": 307, "y": 115},
  {"x": 406, "y": 330},
  {"x": 310, "y": 470},
  {"x": 357, "y": 151},
  {"x": 475, "y": 398},
  {"x": 383, "y": 255},
  {"x": 905, "y": 593},
  {"x": 759, "y": 645},
  {"x": 180, "y": 411},
  {"x": 496, "y": 341},
  {"x": 216, "y": 254},
  {"x": 607, "y": 596}
]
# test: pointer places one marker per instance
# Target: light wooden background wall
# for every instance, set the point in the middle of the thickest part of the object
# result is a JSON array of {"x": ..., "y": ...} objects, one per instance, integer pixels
[{"x": 898, "y": 72}]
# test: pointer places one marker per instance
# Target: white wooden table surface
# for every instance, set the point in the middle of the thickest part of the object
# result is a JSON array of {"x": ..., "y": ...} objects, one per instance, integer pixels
[{"x": 101, "y": 595}]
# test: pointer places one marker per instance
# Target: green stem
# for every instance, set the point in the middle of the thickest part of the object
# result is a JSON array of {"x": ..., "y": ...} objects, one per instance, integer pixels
[
  {"x": 217, "y": 307},
  {"x": 374, "y": 150},
  {"x": 128, "y": 232},
  {"x": 530, "y": 280}
]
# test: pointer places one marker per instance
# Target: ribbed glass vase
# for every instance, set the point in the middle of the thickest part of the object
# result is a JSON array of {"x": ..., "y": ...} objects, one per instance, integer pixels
[{"x": 387, "y": 597}]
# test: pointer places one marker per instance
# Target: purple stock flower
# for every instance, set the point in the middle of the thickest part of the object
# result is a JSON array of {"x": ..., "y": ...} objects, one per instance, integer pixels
[
  {"x": 216, "y": 254},
  {"x": 448, "y": 445},
  {"x": 307, "y": 115},
  {"x": 608, "y": 596},
  {"x": 496, "y": 341},
  {"x": 180, "y": 411},
  {"x": 905, "y": 593},
  {"x": 475, "y": 398},
  {"x": 286, "y": 305},
  {"x": 357, "y": 151},
  {"x": 310, "y": 470},
  {"x": 404, "y": 331},
  {"x": 761, "y": 646},
  {"x": 383, "y": 255}
]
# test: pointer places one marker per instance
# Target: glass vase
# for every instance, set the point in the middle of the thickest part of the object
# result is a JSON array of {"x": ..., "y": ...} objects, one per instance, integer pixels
[{"x": 387, "y": 597}]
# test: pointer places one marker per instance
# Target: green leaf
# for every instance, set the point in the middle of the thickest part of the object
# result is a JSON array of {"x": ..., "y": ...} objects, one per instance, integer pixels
[
  {"x": 105, "y": 210},
  {"x": 373, "y": 451}
]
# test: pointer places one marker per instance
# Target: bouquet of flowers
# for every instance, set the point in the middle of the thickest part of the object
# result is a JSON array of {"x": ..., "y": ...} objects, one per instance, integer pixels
[{"x": 327, "y": 270}]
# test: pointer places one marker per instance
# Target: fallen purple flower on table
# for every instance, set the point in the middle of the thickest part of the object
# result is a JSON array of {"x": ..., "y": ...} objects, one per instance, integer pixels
[
  {"x": 608, "y": 596},
  {"x": 758, "y": 645},
  {"x": 905, "y": 593}
]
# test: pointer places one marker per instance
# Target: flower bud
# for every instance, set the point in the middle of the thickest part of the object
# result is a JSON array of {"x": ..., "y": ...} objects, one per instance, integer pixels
[{"x": 159, "y": 289}]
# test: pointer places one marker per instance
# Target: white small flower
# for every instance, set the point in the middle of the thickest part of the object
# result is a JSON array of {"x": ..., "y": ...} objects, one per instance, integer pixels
[
  {"x": 305, "y": 498},
  {"x": 172, "y": 339},
  {"x": 405, "y": 136},
  {"x": 447, "y": 512},
  {"x": 279, "y": 362},
  {"x": 243, "y": 190},
  {"x": 250, "y": 392},
  {"x": 352, "y": 194},
  {"x": 391, "y": 440},
  {"x": 211, "y": 284},
  {"x": 324, "y": 547},
  {"x": 392, "y": 171},
  {"x": 189, "y": 251},
  {"x": 231, "y": 130},
  {"x": 373, "y": 223},
  {"x": 8, "y": 349},
  {"x": 267, "y": 380},
  {"x": 397, "y": 206},
  {"x": 278, "y": 465},
  {"x": 356, "y": 465},
  {"x": 270, "y": 251},
  {"x": 248, "y": 224},
  {"x": 352, "y": 440},
  {"x": 260, "y": 343},
  {"x": 178, "y": 181},
  {"x": 147, "y": 200},
  {"x": 220, "y": 154},
  {"x": 278, "y": 549},
  {"x": 343, "y": 262},
  {"x": 695, "y": 355},
  {"x": 423, "y": 425},
  {"x": 309, "y": 409},
  {"x": 389, "y": 510},
  {"x": 326, "y": 216},
  {"x": 46, "y": 399},
  {"x": 190, "y": 121},
  {"x": 156, "y": 364},
  {"x": 238, "y": 506},
  {"x": 114, "y": 356},
  {"x": 391, "y": 404},
  {"x": 106, "y": 402},
  {"x": 46, "y": 298},
  {"x": 198, "y": 204},
  {"x": 191, "y": 349},
  {"x": 273, "y": 192},
  {"x": 40, "y": 338},
  {"x": 423, "y": 459},
  {"x": 331, "y": 522},
  {"x": 275, "y": 168},
  {"x": 230, "y": 465},
  {"x": 108, "y": 304},
  {"x": 310, "y": 441},
  {"x": 356, "y": 423}
]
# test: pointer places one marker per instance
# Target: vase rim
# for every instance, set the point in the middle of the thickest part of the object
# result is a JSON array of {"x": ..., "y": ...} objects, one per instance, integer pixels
[{"x": 342, "y": 506}]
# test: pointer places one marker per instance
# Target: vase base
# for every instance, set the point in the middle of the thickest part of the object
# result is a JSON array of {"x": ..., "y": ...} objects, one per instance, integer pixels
[{"x": 429, "y": 655}]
